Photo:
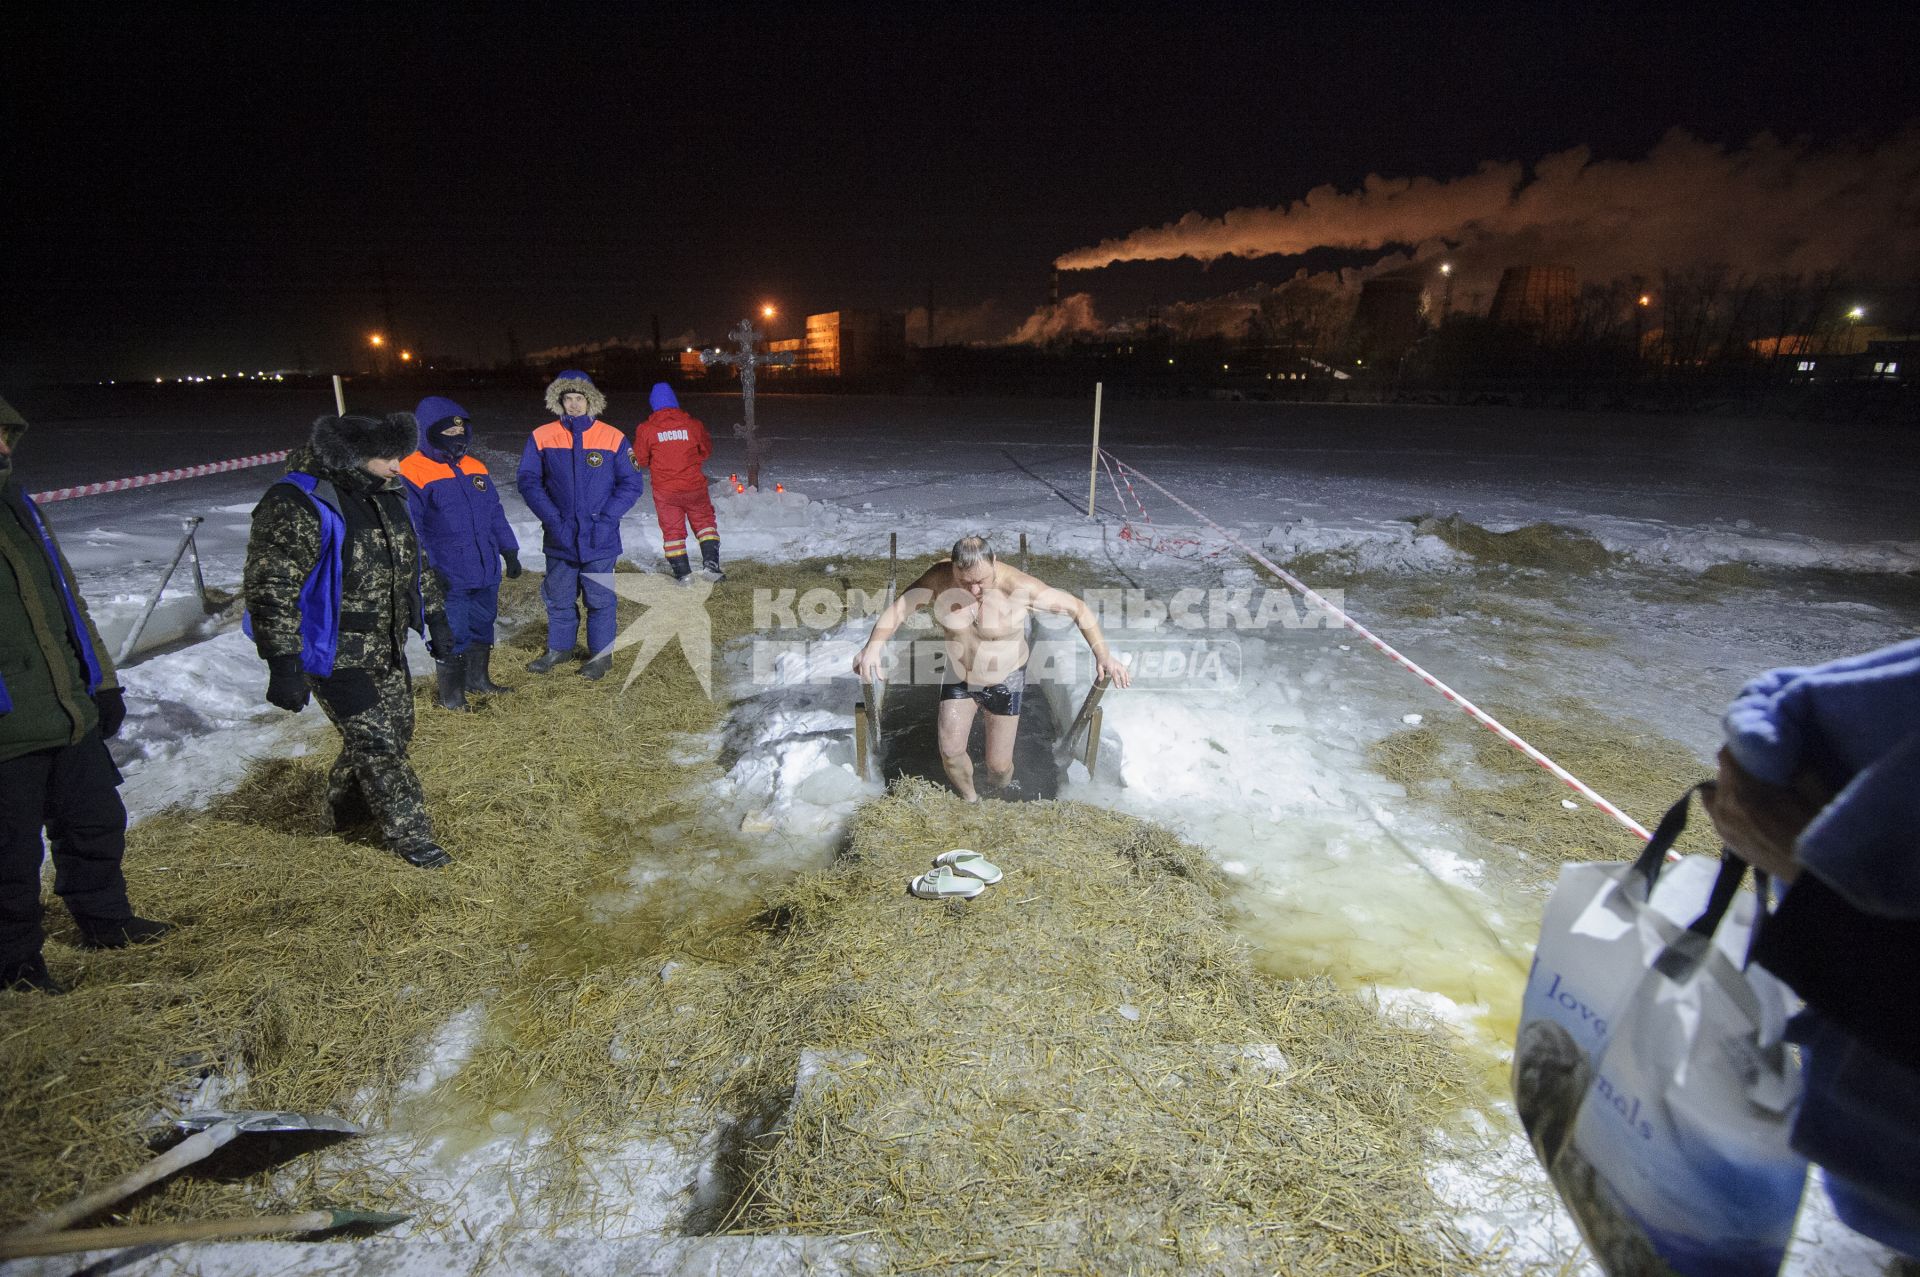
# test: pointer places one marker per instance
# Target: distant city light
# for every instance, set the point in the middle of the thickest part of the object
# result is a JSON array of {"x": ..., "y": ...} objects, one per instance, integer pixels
[
  {"x": 767, "y": 311},
  {"x": 1858, "y": 312},
  {"x": 376, "y": 340},
  {"x": 1645, "y": 300},
  {"x": 1446, "y": 268},
  {"x": 406, "y": 356}
]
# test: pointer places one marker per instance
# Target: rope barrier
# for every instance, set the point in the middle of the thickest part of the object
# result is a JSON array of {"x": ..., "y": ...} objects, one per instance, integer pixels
[
  {"x": 1152, "y": 540},
  {"x": 1473, "y": 711},
  {"x": 158, "y": 476}
]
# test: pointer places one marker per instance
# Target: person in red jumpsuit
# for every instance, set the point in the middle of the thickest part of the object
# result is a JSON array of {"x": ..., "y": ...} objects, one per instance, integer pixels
[{"x": 671, "y": 445}]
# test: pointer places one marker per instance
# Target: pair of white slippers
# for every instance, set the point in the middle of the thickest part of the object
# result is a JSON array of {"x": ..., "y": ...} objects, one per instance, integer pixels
[{"x": 959, "y": 874}]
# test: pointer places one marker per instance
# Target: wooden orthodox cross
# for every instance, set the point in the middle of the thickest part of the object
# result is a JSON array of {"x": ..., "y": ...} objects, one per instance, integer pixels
[{"x": 744, "y": 336}]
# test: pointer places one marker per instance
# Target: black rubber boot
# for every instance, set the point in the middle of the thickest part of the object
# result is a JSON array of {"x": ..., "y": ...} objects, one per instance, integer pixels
[
  {"x": 597, "y": 667},
  {"x": 681, "y": 568},
  {"x": 480, "y": 671},
  {"x": 541, "y": 664},
  {"x": 450, "y": 686},
  {"x": 120, "y": 932},
  {"x": 424, "y": 855},
  {"x": 710, "y": 561},
  {"x": 30, "y": 976}
]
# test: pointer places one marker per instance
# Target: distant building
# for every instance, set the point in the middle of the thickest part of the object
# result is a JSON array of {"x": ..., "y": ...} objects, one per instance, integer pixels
[
  {"x": 854, "y": 343},
  {"x": 795, "y": 346},
  {"x": 1854, "y": 352},
  {"x": 690, "y": 365},
  {"x": 1537, "y": 298},
  {"x": 1390, "y": 315}
]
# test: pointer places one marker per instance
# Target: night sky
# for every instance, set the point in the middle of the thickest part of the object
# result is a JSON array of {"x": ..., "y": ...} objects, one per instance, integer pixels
[{"x": 199, "y": 193}]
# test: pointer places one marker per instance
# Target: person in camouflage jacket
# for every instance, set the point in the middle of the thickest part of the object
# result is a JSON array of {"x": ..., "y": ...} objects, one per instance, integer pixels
[
  {"x": 335, "y": 578},
  {"x": 59, "y": 700}
]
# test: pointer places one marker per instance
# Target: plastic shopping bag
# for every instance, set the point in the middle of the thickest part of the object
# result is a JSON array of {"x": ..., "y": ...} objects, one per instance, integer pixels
[
  {"x": 1604, "y": 926},
  {"x": 1673, "y": 1155}
]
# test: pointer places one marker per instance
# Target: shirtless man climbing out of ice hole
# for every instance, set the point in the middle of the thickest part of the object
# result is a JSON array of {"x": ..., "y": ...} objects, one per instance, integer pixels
[{"x": 982, "y": 605}]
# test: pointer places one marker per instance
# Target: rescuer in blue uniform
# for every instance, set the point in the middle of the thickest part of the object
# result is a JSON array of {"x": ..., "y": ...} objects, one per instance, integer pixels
[
  {"x": 577, "y": 475},
  {"x": 464, "y": 530}
]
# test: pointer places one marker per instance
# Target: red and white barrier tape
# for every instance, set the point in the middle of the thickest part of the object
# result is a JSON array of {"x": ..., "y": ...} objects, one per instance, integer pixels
[
  {"x": 1473, "y": 711},
  {"x": 158, "y": 476}
]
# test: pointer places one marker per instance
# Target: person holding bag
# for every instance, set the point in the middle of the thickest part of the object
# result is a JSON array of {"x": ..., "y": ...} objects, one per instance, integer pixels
[{"x": 1819, "y": 786}]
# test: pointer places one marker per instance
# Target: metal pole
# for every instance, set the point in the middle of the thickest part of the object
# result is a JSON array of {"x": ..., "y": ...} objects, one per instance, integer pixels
[
  {"x": 199, "y": 577},
  {"x": 1023, "y": 552},
  {"x": 1093, "y": 465},
  {"x": 893, "y": 567},
  {"x": 133, "y": 635},
  {"x": 339, "y": 396}
]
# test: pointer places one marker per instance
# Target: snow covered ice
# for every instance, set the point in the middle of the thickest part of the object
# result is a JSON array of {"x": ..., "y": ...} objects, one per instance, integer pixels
[{"x": 1338, "y": 871}]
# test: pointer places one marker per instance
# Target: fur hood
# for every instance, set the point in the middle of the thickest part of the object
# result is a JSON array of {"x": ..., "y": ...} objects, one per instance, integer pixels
[
  {"x": 573, "y": 380},
  {"x": 343, "y": 443}
]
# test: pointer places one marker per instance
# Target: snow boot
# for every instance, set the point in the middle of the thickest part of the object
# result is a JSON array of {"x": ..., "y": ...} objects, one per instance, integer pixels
[
  {"x": 682, "y": 571},
  {"x": 541, "y": 664},
  {"x": 118, "y": 933},
  {"x": 450, "y": 683},
  {"x": 597, "y": 667},
  {"x": 480, "y": 671},
  {"x": 710, "y": 560},
  {"x": 423, "y": 855},
  {"x": 30, "y": 976}
]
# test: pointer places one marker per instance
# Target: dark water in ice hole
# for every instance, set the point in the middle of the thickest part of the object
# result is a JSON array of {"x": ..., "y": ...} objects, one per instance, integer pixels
[{"x": 910, "y": 742}]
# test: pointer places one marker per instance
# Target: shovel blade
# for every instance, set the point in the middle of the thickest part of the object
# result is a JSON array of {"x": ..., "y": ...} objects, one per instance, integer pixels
[{"x": 249, "y": 1121}]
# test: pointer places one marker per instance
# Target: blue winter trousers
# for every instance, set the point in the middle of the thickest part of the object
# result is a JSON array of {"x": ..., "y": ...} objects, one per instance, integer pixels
[
  {"x": 565, "y": 584},
  {"x": 471, "y": 614}
]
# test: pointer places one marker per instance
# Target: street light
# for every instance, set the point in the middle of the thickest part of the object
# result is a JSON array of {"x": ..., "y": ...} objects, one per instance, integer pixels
[
  {"x": 1857, "y": 314},
  {"x": 406, "y": 356},
  {"x": 376, "y": 340},
  {"x": 767, "y": 311}
]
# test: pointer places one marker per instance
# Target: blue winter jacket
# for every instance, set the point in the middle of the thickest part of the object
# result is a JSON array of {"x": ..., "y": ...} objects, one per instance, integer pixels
[
  {"x": 457, "y": 511},
  {"x": 577, "y": 475},
  {"x": 1856, "y": 723}
]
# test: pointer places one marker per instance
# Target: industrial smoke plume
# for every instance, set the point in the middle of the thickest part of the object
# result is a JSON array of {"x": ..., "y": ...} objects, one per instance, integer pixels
[{"x": 1768, "y": 207}]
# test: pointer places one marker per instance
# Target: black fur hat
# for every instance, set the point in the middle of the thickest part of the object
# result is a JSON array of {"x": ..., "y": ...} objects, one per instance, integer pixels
[{"x": 343, "y": 443}]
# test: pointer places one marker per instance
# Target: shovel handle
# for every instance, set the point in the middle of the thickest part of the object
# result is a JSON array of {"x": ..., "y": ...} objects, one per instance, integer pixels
[
  {"x": 185, "y": 1153},
  {"x": 17, "y": 1247}
]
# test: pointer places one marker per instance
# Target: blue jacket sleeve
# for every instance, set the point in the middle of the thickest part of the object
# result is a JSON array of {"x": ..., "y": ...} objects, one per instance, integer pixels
[
  {"x": 503, "y": 536},
  {"x": 628, "y": 484},
  {"x": 1856, "y": 723},
  {"x": 533, "y": 489}
]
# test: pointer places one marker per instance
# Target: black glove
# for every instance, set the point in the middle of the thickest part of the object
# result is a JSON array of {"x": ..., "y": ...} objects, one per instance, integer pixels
[
  {"x": 513, "y": 563},
  {"x": 286, "y": 683},
  {"x": 113, "y": 710},
  {"x": 439, "y": 636}
]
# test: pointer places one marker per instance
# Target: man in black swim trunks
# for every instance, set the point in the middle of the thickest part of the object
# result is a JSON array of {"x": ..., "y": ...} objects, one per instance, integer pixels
[{"x": 982, "y": 605}]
